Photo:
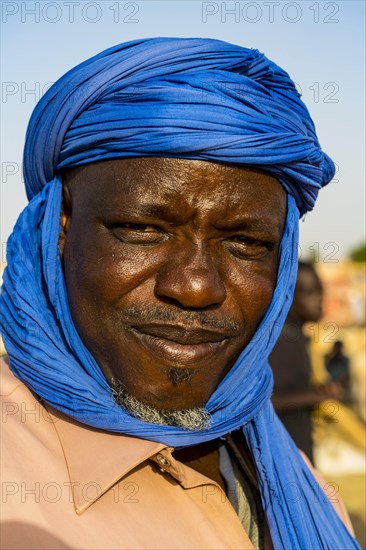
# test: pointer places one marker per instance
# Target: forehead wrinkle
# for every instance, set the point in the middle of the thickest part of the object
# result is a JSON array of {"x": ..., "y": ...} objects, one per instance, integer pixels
[
  {"x": 256, "y": 210},
  {"x": 228, "y": 209},
  {"x": 152, "y": 182},
  {"x": 193, "y": 187},
  {"x": 235, "y": 207}
]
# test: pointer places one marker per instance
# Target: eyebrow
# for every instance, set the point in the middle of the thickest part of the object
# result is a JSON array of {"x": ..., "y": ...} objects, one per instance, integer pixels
[
  {"x": 156, "y": 211},
  {"x": 163, "y": 212},
  {"x": 244, "y": 222},
  {"x": 247, "y": 222}
]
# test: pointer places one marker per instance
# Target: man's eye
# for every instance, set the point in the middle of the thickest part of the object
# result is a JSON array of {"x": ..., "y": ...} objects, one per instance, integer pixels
[
  {"x": 139, "y": 227},
  {"x": 136, "y": 233},
  {"x": 249, "y": 247}
]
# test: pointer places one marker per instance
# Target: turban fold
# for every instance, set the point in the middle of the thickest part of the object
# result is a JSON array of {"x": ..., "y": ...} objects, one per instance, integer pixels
[{"x": 185, "y": 98}]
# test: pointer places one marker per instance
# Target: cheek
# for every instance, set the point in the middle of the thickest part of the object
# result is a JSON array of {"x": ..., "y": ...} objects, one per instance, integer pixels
[
  {"x": 100, "y": 269},
  {"x": 252, "y": 288}
]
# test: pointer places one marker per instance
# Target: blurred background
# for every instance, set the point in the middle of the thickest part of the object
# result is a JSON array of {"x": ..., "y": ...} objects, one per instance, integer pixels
[
  {"x": 339, "y": 429},
  {"x": 321, "y": 44}
]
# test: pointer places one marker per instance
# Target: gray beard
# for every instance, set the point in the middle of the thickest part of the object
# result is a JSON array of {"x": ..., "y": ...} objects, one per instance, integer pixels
[{"x": 194, "y": 419}]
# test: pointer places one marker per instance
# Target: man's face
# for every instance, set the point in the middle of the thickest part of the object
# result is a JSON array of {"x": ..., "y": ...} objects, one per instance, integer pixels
[{"x": 170, "y": 265}]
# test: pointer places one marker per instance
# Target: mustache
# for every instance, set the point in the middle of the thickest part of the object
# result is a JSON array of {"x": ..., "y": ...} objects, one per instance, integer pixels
[{"x": 187, "y": 319}]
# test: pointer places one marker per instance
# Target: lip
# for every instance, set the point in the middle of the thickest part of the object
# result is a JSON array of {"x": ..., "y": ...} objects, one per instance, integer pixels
[{"x": 179, "y": 345}]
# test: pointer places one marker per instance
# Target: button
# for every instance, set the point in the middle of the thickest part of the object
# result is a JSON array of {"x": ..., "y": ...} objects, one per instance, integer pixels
[{"x": 162, "y": 460}]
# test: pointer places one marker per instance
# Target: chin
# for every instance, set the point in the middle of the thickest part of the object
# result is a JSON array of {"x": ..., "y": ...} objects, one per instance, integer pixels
[{"x": 193, "y": 418}]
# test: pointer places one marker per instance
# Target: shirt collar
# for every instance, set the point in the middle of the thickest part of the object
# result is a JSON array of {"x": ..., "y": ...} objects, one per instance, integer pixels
[{"x": 95, "y": 459}]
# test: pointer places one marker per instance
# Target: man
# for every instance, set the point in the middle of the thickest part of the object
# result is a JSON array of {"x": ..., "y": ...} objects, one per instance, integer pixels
[
  {"x": 294, "y": 397},
  {"x": 338, "y": 366},
  {"x": 147, "y": 281}
]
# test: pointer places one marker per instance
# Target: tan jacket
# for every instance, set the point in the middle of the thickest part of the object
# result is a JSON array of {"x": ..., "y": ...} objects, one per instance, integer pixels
[{"x": 65, "y": 485}]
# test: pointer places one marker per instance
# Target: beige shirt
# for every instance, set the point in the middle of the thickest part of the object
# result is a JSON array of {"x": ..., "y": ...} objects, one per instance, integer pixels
[{"x": 66, "y": 485}]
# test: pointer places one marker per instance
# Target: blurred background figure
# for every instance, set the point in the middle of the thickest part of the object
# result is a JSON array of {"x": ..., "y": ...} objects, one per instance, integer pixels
[
  {"x": 294, "y": 395},
  {"x": 338, "y": 366}
]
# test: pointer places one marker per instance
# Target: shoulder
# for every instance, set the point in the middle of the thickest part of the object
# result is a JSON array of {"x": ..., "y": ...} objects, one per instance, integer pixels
[
  {"x": 10, "y": 386},
  {"x": 334, "y": 499},
  {"x": 23, "y": 416}
]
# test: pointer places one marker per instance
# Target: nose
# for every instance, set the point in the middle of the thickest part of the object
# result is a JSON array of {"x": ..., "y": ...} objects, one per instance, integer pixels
[{"x": 191, "y": 278}]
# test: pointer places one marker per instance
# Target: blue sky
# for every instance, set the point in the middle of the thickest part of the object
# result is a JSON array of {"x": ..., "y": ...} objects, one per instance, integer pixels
[{"x": 321, "y": 44}]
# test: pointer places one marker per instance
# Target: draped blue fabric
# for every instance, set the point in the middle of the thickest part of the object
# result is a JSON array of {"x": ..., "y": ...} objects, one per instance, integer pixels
[
  {"x": 186, "y": 98},
  {"x": 190, "y": 98}
]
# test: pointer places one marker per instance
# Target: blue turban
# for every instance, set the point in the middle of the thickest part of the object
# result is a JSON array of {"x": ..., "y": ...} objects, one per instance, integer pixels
[{"x": 185, "y": 98}]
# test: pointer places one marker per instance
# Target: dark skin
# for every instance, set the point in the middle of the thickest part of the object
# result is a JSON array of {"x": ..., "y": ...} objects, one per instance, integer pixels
[{"x": 170, "y": 265}]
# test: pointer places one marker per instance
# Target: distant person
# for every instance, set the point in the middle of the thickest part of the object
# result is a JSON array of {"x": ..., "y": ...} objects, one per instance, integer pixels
[
  {"x": 294, "y": 396},
  {"x": 338, "y": 367}
]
